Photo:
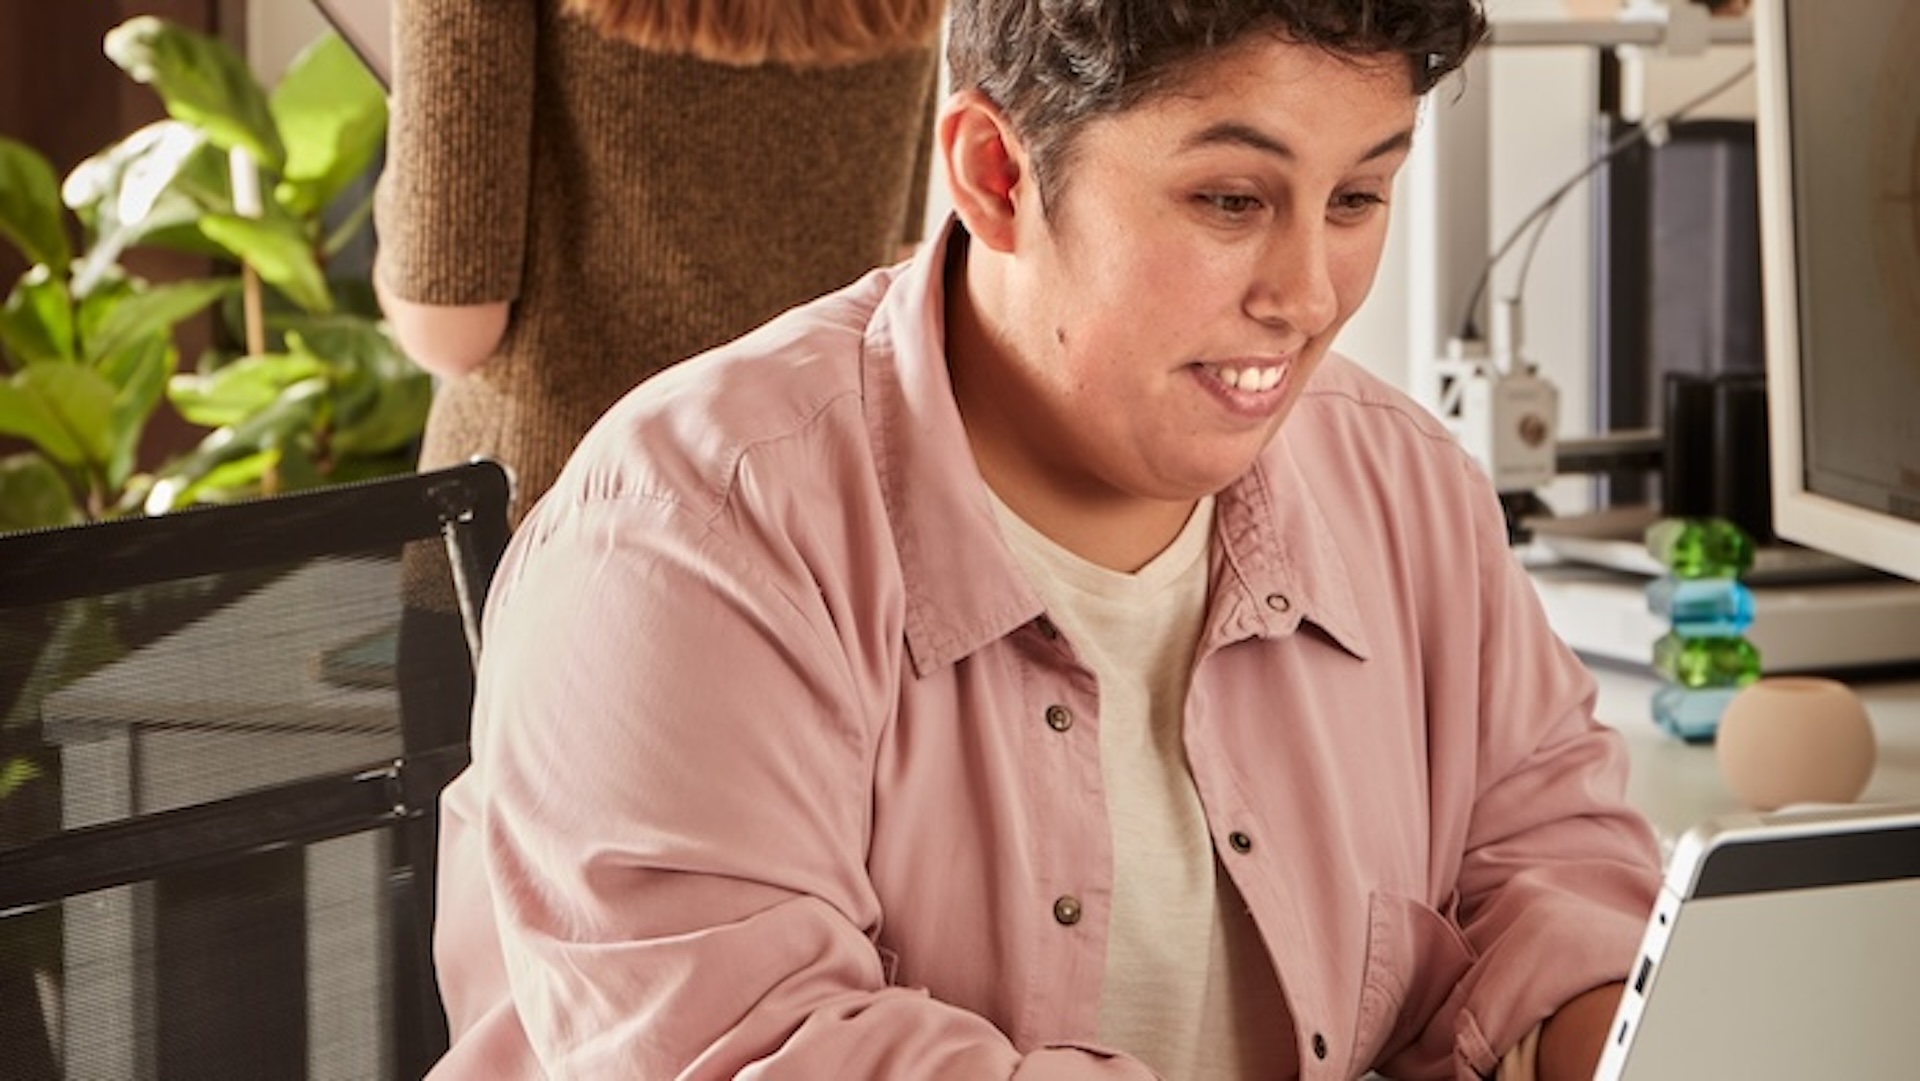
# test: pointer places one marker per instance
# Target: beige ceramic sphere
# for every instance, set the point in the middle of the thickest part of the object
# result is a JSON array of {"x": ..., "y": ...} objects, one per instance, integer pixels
[{"x": 1795, "y": 739}]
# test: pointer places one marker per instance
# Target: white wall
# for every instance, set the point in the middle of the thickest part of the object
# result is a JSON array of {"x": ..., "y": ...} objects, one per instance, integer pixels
[
  {"x": 276, "y": 32},
  {"x": 1540, "y": 107},
  {"x": 1538, "y": 114}
]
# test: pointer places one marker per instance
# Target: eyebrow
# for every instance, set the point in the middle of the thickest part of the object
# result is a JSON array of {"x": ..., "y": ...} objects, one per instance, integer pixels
[{"x": 1239, "y": 134}]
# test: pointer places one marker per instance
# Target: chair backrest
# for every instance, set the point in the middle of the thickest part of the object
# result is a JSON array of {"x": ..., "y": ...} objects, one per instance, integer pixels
[{"x": 223, "y": 736}]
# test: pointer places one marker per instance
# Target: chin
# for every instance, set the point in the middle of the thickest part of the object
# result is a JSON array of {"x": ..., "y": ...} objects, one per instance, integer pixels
[{"x": 1207, "y": 478}]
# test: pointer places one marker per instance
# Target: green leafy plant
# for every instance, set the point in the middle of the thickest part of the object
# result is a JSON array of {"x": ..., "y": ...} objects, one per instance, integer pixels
[
  {"x": 316, "y": 391},
  {"x": 87, "y": 366}
]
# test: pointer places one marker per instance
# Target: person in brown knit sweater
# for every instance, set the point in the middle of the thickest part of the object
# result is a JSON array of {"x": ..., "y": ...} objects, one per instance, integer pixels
[{"x": 579, "y": 193}]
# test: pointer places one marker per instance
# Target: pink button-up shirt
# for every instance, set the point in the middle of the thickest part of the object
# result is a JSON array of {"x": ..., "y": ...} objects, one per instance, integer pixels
[{"x": 780, "y": 769}]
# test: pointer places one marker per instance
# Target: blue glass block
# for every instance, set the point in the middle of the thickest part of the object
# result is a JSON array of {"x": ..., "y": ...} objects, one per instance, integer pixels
[
  {"x": 1702, "y": 607},
  {"x": 1691, "y": 715}
]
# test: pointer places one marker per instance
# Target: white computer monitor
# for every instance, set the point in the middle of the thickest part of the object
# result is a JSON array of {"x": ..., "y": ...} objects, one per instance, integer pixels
[{"x": 1839, "y": 169}]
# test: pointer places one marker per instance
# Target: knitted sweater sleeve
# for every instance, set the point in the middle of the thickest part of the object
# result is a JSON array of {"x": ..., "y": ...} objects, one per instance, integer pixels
[{"x": 451, "y": 206}]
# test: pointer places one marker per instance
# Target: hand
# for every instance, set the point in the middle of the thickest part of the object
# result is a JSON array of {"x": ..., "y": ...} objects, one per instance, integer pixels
[{"x": 1572, "y": 1039}]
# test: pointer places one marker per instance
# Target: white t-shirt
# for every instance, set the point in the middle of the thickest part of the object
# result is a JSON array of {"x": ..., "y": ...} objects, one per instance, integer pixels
[{"x": 1189, "y": 989}]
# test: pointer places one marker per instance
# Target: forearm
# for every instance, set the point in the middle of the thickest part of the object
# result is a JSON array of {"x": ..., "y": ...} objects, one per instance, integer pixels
[
  {"x": 453, "y": 197},
  {"x": 448, "y": 340},
  {"x": 1572, "y": 1039}
]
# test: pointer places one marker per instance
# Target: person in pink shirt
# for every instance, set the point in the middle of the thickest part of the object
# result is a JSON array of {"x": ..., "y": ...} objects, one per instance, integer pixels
[{"x": 1044, "y": 659}]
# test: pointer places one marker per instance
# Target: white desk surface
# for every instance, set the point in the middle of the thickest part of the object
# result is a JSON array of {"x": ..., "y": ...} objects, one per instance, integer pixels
[{"x": 1677, "y": 784}]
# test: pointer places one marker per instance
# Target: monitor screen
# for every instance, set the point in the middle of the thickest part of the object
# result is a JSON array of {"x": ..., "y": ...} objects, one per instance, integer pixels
[{"x": 1838, "y": 132}]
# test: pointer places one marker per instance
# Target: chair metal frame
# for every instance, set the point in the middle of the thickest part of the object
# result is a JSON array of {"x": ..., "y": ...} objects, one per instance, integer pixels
[{"x": 465, "y": 506}]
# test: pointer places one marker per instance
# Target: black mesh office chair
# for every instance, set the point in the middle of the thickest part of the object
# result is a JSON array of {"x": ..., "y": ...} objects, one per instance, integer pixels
[{"x": 223, "y": 735}]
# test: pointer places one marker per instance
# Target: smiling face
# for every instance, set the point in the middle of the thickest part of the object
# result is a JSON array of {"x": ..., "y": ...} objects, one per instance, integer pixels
[{"x": 1134, "y": 346}]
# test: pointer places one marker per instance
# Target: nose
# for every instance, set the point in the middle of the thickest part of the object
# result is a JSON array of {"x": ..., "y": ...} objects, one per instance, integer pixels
[{"x": 1293, "y": 285}]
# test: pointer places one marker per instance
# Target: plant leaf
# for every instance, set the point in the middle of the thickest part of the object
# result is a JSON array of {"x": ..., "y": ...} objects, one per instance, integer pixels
[
  {"x": 278, "y": 427},
  {"x": 390, "y": 422},
  {"x": 126, "y": 181},
  {"x": 300, "y": 467},
  {"x": 83, "y": 400},
  {"x": 30, "y": 206},
  {"x": 146, "y": 184},
  {"x": 16, "y": 772},
  {"x": 228, "y": 395},
  {"x": 140, "y": 372},
  {"x": 203, "y": 185},
  {"x": 203, "y": 81},
  {"x": 210, "y": 480},
  {"x": 155, "y": 310},
  {"x": 276, "y": 249},
  {"x": 33, "y": 494},
  {"x": 381, "y": 398},
  {"x": 36, "y": 322},
  {"x": 332, "y": 114},
  {"x": 64, "y": 409}
]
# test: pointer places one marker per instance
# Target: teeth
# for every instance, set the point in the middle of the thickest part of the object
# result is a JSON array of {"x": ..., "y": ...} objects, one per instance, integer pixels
[{"x": 1251, "y": 379}]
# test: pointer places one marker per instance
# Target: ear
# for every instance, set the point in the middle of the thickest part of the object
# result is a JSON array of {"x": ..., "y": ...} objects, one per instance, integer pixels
[{"x": 985, "y": 164}]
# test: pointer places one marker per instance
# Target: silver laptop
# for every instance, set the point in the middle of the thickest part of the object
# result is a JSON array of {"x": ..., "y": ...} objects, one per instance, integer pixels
[{"x": 1782, "y": 946}]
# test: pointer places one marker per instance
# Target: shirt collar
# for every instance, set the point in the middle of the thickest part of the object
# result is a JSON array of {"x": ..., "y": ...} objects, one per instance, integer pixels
[
  {"x": 1280, "y": 554},
  {"x": 964, "y": 588}
]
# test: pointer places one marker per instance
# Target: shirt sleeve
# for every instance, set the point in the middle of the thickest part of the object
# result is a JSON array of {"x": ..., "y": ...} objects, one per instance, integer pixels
[
  {"x": 452, "y": 200},
  {"x": 1559, "y": 873},
  {"x": 677, "y": 780}
]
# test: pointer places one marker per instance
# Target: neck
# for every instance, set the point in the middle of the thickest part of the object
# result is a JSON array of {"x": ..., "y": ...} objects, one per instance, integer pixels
[
  {"x": 1121, "y": 535},
  {"x": 1117, "y": 530}
]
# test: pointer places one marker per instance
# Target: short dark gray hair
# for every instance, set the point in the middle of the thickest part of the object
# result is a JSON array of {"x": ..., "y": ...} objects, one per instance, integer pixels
[{"x": 1054, "y": 65}]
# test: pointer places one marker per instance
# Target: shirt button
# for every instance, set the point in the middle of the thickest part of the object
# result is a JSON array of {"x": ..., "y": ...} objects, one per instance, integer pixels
[
  {"x": 1241, "y": 843},
  {"x": 1067, "y": 911},
  {"x": 1279, "y": 602},
  {"x": 1059, "y": 718},
  {"x": 1319, "y": 1046}
]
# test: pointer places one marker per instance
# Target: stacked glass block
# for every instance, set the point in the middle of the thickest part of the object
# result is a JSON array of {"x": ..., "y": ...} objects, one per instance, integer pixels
[{"x": 1704, "y": 658}]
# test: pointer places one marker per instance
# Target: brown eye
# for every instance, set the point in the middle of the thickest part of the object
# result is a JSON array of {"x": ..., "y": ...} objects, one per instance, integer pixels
[
  {"x": 1233, "y": 206},
  {"x": 1354, "y": 206}
]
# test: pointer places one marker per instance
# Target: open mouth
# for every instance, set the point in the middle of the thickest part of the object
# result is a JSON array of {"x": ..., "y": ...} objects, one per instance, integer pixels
[{"x": 1251, "y": 379}]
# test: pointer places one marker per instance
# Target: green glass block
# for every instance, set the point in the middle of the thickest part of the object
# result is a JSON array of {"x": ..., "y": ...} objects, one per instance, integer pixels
[
  {"x": 1700, "y": 547},
  {"x": 1689, "y": 715},
  {"x": 1696, "y": 663},
  {"x": 1702, "y": 607}
]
